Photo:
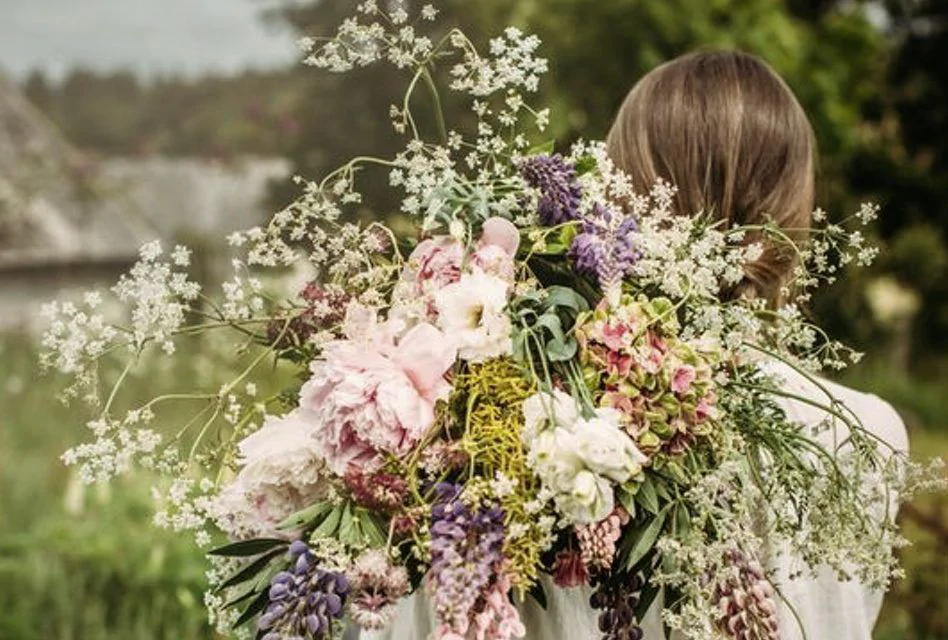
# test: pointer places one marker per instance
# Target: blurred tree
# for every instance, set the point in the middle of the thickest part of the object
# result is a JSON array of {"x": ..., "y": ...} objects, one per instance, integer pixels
[{"x": 39, "y": 91}]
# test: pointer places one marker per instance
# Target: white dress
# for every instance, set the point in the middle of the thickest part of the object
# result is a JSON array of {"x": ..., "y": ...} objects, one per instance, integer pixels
[{"x": 828, "y": 608}]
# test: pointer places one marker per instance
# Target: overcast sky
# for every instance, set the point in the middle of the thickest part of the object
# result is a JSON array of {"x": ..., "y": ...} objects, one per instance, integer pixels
[{"x": 147, "y": 36}]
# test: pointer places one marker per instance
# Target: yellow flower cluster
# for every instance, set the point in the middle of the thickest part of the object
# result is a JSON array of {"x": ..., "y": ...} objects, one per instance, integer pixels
[{"x": 490, "y": 396}]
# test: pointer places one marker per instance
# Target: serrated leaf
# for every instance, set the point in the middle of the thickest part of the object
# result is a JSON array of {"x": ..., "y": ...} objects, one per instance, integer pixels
[
  {"x": 642, "y": 541},
  {"x": 250, "y": 570},
  {"x": 247, "y": 547}
]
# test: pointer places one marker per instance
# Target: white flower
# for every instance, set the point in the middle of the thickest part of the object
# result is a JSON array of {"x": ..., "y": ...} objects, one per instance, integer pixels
[
  {"x": 606, "y": 449},
  {"x": 540, "y": 408},
  {"x": 578, "y": 459},
  {"x": 589, "y": 499},
  {"x": 472, "y": 313},
  {"x": 281, "y": 473}
]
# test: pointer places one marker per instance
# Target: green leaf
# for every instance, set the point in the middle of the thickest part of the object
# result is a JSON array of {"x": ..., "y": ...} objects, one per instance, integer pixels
[
  {"x": 255, "y": 607},
  {"x": 250, "y": 570},
  {"x": 544, "y": 148},
  {"x": 585, "y": 164},
  {"x": 682, "y": 521},
  {"x": 371, "y": 531},
  {"x": 627, "y": 500},
  {"x": 642, "y": 541},
  {"x": 646, "y": 598},
  {"x": 248, "y": 547},
  {"x": 309, "y": 515},
  {"x": 244, "y": 595},
  {"x": 557, "y": 351},
  {"x": 349, "y": 527},
  {"x": 647, "y": 496},
  {"x": 327, "y": 528}
]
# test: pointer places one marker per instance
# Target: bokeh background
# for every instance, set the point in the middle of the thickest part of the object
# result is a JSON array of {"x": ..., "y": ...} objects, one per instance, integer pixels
[{"x": 125, "y": 120}]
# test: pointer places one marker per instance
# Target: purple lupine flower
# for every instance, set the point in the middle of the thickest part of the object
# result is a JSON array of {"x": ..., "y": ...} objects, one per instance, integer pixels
[
  {"x": 304, "y": 600},
  {"x": 559, "y": 189},
  {"x": 604, "y": 247},
  {"x": 466, "y": 551}
]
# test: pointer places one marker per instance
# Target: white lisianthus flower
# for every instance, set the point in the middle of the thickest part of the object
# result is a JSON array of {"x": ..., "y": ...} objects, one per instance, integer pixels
[
  {"x": 541, "y": 408},
  {"x": 472, "y": 312},
  {"x": 578, "y": 459},
  {"x": 606, "y": 449},
  {"x": 589, "y": 498}
]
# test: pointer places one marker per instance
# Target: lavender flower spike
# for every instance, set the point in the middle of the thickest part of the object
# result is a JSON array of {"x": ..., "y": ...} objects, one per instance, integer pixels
[
  {"x": 604, "y": 248},
  {"x": 560, "y": 192}
]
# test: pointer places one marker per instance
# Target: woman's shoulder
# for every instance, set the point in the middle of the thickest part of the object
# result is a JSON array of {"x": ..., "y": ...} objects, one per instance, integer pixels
[{"x": 813, "y": 395}]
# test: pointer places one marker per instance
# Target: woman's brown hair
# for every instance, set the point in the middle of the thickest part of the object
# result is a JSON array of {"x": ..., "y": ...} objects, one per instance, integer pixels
[{"x": 727, "y": 131}]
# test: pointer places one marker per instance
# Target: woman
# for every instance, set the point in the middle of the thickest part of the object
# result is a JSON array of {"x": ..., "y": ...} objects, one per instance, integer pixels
[{"x": 730, "y": 135}]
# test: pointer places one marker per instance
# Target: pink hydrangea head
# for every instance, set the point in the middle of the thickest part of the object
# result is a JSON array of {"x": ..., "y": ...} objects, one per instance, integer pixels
[{"x": 682, "y": 378}]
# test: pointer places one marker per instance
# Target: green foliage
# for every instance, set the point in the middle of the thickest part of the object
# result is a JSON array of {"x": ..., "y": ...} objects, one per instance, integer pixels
[{"x": 81, "y": 562}]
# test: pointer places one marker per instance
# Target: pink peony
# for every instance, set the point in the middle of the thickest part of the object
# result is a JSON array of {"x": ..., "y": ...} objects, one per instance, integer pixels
[
  {"x": 376, "y": 396},
  {"x": 437, "y": 262}
]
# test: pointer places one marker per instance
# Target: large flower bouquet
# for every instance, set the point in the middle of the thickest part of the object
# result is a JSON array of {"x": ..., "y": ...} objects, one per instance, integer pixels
[{"x": 548, "y": 374}]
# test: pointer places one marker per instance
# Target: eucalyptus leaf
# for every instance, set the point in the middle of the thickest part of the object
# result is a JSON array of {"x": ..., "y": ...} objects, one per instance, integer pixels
[
  {"x": 551, "y": 322},
  {"x": 557, "y": 351},
  {"x": 567, "y": 298}
]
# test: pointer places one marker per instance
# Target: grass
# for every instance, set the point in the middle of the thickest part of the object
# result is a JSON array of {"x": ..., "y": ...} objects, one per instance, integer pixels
[{"x": 81, "y": 563}]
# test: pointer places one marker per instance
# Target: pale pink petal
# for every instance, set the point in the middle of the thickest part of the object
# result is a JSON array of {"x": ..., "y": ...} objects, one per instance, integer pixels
[
  {"x": 426, "y": 354},
  {"x": 502, "y": 233}
]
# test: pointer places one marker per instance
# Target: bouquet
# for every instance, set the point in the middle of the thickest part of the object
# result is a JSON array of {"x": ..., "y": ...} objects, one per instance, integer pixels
[{"x": 545, "y": 376}]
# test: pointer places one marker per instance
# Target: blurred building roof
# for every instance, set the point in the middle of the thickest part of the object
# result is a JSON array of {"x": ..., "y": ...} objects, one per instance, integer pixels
[
  {"x": 59, "y": 207},
  {"x": 50, "y": 211}
]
